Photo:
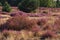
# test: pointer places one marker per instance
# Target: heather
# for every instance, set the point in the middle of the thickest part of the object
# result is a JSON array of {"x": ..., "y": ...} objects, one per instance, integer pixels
[
  {"x": 39, "y": 27},
  {"x": 29, "y": 20}
]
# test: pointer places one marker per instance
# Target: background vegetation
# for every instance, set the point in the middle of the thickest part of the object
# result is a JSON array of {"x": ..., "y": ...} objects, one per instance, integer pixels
[
  {"x": 6, "y": 7},
  {"x": 43, "y": 3},
  {"x": 31, "y": 5}
]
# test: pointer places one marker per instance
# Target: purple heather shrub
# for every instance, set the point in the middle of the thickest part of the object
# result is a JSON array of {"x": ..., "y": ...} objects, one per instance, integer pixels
[
  {"x": 21, "y": 13},
  {"x": 32, "y": 15},
  {"x": 20, "y": 22},
  {"x": 49, "y": 34},
  {"x": 18, "y": 13},
  {"x": 12, "y": 14},
  {"x": 27, "y": 14}
]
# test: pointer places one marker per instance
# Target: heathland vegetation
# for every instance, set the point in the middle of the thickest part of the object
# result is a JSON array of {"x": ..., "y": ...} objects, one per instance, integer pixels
[{"x": 29, "y": 20}]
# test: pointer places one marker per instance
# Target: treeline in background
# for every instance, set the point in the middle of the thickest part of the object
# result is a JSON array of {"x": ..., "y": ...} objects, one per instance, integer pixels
[
  {"x": 42, "y": 3},
  {"x": 28, "y": 5}
]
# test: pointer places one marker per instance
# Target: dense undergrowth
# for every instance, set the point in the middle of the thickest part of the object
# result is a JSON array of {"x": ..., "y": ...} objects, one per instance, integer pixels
[
  {"x": 28, "y": 26},
  {"x": 20, "y": 24},
  {"x": 44, "y": 24}
]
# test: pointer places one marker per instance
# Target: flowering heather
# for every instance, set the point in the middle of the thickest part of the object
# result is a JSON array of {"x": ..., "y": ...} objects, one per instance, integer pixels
[
  {"x": 30, "y": 26},
  {"x": 20, "y": 22}
]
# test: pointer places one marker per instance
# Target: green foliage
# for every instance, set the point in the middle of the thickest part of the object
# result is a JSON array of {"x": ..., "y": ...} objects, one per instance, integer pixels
[
  {"x": 51, "y": 3},
  {"x": 47, "y": 3},
  {"x": 14, "y": 2},
  {"x": 28, "y": 5},
  {"x": 3, "y": 1},
  {"x": 43, "y": 3},
  {"x": 57, "y": 3},
  {"x": 0, "y": 4},
  {"x": 6, "y": 7}
]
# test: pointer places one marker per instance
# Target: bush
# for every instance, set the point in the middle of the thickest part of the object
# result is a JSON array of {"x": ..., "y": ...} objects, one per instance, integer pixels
[
  {"x": 19, "y": 23},
  {"x": 28, "y": 5},
  {"x": 6, "y": 7}
]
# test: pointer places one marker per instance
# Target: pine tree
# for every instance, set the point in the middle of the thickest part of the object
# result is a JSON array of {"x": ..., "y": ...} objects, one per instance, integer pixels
[
  {"x": 57, "y": 3},
  {"x": 28, "y": 5},
  {"x": 43, "y": 3},
  {"x": 0, "y": 4},
  {"x": 6, "y": 7},
  {"x": 51, "y": 3}
]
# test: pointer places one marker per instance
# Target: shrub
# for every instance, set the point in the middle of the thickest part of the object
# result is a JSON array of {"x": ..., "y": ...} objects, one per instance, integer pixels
[
  {"x": 28, "y": 5},
  {"x": 19, "y": 23},
  {"x": 6, "y": 7}
]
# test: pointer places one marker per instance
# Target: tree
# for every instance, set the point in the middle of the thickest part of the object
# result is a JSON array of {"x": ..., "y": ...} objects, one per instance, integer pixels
[
  {"x": 51, "y": 3},
  {"x": 3, "y": 1},
  {"x": 0, "y": 4},
  {"x": 57, "y": 3},
  {"x": 43, "y": 3},
  {"x": 6, "y": 7},
  {"x": 47, "y": 3},
  {"x": 28, "y": 5},
  {"x": 14, "y": 2}
]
